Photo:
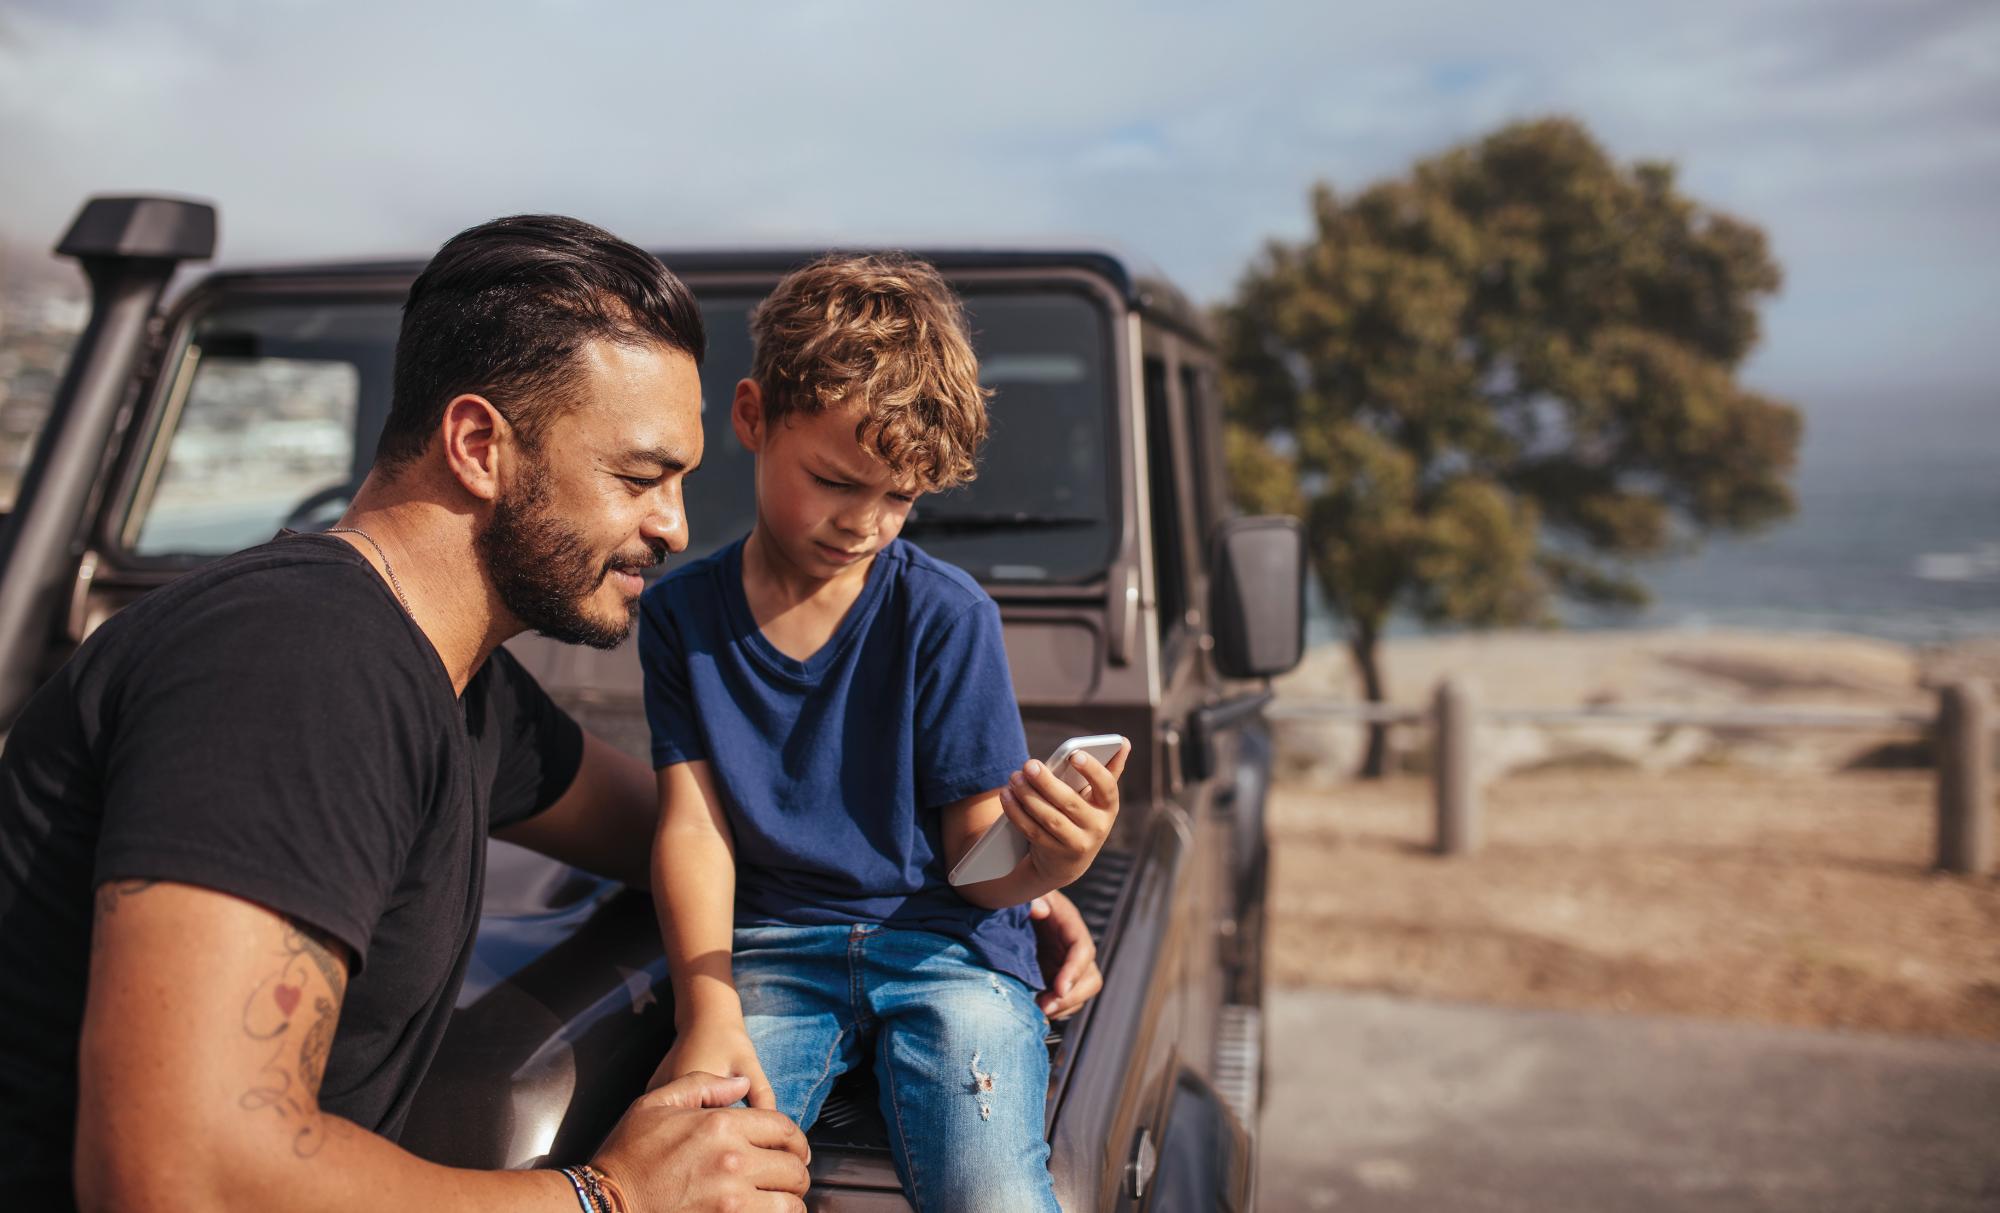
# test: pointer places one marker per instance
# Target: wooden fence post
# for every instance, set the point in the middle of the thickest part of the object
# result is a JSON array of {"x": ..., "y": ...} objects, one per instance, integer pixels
[
  {"x": 1454, "y": 785},
  {"x": 1965, "y": 779}
]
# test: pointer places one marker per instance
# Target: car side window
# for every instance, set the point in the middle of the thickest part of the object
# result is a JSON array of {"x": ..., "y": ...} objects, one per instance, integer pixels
[
  {"x": 255, "y": 439},
  {"x": 1169, "y": 566},
  {"x": 267, "y": 420},
  {"x": 1196, "y": 391}
]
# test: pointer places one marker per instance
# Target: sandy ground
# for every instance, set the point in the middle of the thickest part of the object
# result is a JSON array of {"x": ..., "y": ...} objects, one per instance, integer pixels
[{"x": 1800, "y": 899}]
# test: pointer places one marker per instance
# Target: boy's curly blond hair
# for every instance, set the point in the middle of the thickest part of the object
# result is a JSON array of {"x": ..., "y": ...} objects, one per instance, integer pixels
[{"x": 885, "y": 332}]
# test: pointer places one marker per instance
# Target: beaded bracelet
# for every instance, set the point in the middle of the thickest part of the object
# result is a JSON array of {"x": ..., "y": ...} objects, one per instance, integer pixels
[
  {"x": 575, "y": 1178},
  {"x": 602, "y": 1190}
]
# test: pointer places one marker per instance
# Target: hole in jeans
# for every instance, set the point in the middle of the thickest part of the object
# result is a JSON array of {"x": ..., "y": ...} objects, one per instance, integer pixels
[{"x": 982, "y": 1086}]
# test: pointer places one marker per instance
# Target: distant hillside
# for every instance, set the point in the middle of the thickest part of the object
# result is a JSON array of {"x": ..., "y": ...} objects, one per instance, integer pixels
[{"x": 26, "y": 267}]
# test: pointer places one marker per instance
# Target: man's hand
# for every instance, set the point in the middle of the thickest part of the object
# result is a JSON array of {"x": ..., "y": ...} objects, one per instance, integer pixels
[
  {"x": 681, "y": 1147},
  {"x": 1065, "y": 829},
  {"x": 716, "y": 1045},
  {"x": 1067, "y": 954}
]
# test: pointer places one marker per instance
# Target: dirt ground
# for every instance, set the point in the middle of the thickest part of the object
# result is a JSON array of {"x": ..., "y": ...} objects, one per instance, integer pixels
[{"x": 1791, "y": 899}]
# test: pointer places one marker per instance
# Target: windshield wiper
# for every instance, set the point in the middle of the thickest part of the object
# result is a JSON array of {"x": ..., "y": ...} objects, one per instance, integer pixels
[{"x": 951, "y": 524}]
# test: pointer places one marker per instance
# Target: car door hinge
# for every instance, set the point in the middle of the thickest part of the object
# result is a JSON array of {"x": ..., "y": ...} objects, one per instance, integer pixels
[
  {"x": 1171, "y": 758},
  {"x": 1124, "y": 629},
  {"x": 1145, "y": 1160},
  {"x": 78, "y": 620}
]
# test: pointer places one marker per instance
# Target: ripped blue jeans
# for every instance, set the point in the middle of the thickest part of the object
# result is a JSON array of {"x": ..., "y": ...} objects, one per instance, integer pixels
[{"x": 957, "y": 1049}]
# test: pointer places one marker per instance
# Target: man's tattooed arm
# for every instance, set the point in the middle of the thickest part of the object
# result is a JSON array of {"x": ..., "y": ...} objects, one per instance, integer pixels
[
  {"x": 326, "y": 955},
  {"x": 208, "y": 1041},
  {"x": 111, "y": 892},
  {"x": 301, "y": 1037}
]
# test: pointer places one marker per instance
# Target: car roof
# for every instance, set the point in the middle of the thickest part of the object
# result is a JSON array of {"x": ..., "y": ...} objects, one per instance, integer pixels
[{"x": 1145, "y": 292}]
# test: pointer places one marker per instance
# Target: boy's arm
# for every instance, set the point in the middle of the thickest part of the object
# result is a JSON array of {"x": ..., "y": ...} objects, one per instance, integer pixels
[
  {"x": 1064, "y": 829},
  {"x": 694, "y": 890},
  {"x": 963, "y": 823},
  {"x": 694, "y": 894}
]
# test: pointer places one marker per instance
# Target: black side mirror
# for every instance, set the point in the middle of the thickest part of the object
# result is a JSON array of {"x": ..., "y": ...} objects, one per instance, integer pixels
[{"x": 1258, "y": 595}]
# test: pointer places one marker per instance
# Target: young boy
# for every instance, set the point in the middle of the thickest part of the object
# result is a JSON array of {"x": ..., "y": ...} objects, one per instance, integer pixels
[{"x": 834, "y": 725}]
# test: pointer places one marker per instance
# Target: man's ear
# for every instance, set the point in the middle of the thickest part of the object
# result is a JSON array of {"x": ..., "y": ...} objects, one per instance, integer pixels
[
  {"x": 746, "y": 415},
  {"x": 473, "y": 432}
]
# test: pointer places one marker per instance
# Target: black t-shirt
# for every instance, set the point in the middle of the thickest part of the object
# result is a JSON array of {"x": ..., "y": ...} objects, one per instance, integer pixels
[{"x": 272, "y": 726}]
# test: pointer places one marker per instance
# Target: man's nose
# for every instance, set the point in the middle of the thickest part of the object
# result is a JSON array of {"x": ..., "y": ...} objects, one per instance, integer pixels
[{"x": 668, "y": 524}]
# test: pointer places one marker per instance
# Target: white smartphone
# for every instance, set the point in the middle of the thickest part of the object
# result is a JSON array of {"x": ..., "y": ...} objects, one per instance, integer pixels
[{"x": 1001, "y": 848}]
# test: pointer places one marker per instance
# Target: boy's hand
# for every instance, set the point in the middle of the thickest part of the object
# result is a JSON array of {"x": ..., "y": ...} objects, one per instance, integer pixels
[
  {"x": 716, "y": 1046},
  {"x": 1065, "y": 829},
  {"x": 1067, "y": 954}
]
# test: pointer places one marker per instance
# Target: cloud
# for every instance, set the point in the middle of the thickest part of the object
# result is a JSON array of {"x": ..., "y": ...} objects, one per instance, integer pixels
[{"x": 1864, "y": 136}]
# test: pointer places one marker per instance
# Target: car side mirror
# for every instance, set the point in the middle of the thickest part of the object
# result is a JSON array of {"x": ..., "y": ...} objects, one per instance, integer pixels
[{"x": 1258, "y": 595}]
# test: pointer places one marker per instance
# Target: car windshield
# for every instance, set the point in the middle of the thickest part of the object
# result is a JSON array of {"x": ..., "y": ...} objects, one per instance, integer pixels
[
  {"x": 272, "y": 415},
  {"x": 1041, "y": 508}
]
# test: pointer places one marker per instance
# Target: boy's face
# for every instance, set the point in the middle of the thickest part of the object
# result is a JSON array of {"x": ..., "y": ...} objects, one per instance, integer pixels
[{"x": 826, "y": 503}]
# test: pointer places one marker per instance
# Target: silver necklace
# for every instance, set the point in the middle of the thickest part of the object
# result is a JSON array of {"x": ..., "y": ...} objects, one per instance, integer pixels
[{"x": 386, "y": 566}]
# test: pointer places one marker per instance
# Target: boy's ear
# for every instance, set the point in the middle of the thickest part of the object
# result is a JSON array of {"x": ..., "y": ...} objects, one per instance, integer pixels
[{"x": 746, "y": 415}]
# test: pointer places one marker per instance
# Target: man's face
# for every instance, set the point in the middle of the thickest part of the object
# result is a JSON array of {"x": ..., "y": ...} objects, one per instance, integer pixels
[
  {"x": 826, "y": 502},
  {"x": 600, "y": 497}
]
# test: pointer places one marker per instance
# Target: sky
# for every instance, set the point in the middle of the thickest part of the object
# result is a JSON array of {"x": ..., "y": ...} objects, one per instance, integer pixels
[{"x": 1863, "y": 135}]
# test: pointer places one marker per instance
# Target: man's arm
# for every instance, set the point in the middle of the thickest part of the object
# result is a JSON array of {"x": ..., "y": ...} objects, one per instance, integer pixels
[
  {"x": 206, "y": 1032},
  {"x": 604, "y": 822},
  {"x": 205, "y": 1035}
]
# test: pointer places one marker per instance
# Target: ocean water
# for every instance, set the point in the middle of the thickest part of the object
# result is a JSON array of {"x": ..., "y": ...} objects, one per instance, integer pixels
[{"x": 1897, "y": 535}]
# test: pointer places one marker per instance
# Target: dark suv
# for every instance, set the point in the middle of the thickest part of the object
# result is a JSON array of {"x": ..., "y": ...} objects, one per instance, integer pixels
[{"x": 1132, "y": 603}]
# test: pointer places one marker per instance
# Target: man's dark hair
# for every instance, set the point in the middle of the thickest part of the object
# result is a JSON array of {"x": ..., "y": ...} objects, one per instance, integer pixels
[{"x": 503, "y": 310}]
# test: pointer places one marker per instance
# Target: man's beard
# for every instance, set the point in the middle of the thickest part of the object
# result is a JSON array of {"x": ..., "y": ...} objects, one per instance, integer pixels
[{"x": 545, "y": 572}]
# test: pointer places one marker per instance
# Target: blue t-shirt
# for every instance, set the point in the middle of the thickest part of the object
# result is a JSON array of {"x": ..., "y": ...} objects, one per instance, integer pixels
[{"x": 832, "y": 770}]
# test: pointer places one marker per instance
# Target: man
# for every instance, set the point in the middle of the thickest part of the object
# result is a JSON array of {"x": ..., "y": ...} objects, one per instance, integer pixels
[{"x": 242, "y": 831}]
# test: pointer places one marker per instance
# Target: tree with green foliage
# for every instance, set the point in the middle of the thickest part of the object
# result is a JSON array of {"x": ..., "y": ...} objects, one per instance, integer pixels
[{"x": 1502, "y": 379}]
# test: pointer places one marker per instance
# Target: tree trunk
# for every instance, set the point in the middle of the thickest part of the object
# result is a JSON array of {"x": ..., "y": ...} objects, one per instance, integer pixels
[{"x": 1363, "y": 641}]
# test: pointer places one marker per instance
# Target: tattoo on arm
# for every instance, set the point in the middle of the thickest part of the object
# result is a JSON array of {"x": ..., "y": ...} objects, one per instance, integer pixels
[
  {"x": 110, "y": 895},
  {"x": 112, "y": 892},
  {"x": 289, "y": 1081},
  {"x": 321, "y": 954}
]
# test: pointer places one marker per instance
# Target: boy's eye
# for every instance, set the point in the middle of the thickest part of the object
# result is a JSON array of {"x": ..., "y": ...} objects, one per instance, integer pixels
[
  {"x": 905, "y": 498},
  {"x": 640, "y": 482},
  {"x": 824, "y": 483}
]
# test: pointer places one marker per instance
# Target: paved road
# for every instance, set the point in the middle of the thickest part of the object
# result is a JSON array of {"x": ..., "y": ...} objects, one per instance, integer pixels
[{"x": 1379, "y": 1105}]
